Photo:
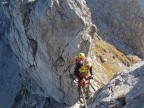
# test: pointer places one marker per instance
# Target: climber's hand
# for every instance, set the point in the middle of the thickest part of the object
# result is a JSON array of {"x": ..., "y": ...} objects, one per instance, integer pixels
[
  {"x": 91, "y": 77},
  {"x": 83, "y": 80}
]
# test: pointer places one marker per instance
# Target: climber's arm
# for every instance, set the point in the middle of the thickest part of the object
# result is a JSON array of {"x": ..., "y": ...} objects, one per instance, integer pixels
[{"x": 90, "y": 70}]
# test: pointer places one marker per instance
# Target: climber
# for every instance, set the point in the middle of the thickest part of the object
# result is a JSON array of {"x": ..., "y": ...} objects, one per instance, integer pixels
[
  {"x": 85, "y": 68},
  {"x": 78, "y": 64},
  {"x": 84, "y": 71}
]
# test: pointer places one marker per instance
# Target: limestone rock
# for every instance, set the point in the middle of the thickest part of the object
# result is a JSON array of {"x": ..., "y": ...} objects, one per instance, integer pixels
[
  {"x": 120, "y": 23},
  {"x": 45, "y": 36},
  {"x": 10, "y": 82},
  {"x": 125, "y": 95}
]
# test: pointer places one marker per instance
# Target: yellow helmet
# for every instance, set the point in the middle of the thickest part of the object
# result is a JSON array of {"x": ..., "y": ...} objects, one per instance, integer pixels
[{"x": 81, "y": 56}]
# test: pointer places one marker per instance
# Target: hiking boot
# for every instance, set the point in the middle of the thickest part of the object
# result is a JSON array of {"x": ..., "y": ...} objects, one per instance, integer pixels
[{"x": 88, "y": 94}]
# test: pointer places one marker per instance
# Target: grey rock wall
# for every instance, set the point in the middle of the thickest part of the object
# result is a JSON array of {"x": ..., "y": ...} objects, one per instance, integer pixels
[
  {"x": 120, "y": 23},
  {"x": 125, "y": 90},
  {"x": 10, "y": 82},
  {"x": 46, "y": 36}
]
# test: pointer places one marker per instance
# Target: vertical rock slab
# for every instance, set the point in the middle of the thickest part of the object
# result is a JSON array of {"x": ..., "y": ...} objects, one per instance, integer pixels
[
  {"x": 121, "y": 23},
  {"x": 45, "y": 36},
  {"x": 10, "y": 82}
]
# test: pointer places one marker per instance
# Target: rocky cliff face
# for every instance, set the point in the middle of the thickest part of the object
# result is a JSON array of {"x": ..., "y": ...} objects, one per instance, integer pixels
[
  {"x": 45, "y": 36},
  {"x": 10, "y": 82},
  {"x": 120, "y": 22},
  {"x": 125, "y": 90}
]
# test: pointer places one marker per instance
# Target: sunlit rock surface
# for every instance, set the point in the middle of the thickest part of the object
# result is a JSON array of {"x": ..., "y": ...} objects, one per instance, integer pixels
[
  {"x": 125, "y": 90},
  {"x": 44, "y": 37},
  {"x": 120, "y": 22}
]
